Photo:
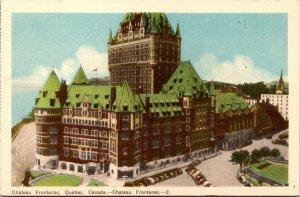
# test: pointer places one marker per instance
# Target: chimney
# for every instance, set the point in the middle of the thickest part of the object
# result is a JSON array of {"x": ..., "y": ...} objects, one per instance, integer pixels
[
  {"x": 147, "y": 103},
  {"x": 112, "y": 96},
  {"x": 63, "y": 91}
]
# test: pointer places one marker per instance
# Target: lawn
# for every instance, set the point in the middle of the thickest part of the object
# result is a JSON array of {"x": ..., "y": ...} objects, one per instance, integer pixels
[
  {"x": 59, "y": 180},
  {"x": 96, "y": 183},
  {"x": 277, "y": 171},
  {"x": 39, "y": 173}
]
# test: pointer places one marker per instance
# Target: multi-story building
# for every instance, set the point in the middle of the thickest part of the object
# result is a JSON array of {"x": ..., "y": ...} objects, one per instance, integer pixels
[
  {"x": 279, "y": 100},
  {"x": 91, "y": 129},
  {"x": 145, "y": 52},
  {"x": 101, "y": 128},
  {"x": 234, "y": 120}
]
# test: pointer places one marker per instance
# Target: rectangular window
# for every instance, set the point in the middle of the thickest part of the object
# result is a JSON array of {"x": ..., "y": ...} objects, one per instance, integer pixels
[
  {"x": 187, "y": 127},
  {"x": 156, "y": 131},
  {"x": 178, "y": 140},
  {"x": 53, "y": 152},
  {"x": 39, "y": 139},
  {"x": 94, "y": 133},
  {"x": 66, "y": 152},
  {"x": 39, "y": 129},
  {"x": 155, "y": 143},
  {"x": 66, "y": 140},
  {"x": 53, "y": 140},
  {"x": 39, "y": 151},
  {"x": 137, "y": 134},
  {"x": 75, "y": 141},
  {"x": 145, "y": 145},
  {"x": 94, "y": 156},
  {"x": 84, "y": 132},
  {"x": 75, "y": 153},
  {"x": 187, "y": 140},
  {"x": 104, "y": 145},
  {"x": 168, "y": 140},
  {"x": 94, "y": 143},
  {"x": 52, "y": 129},
  {"x": 66, "y": 130},
  {"x": 104, "y": 134}
]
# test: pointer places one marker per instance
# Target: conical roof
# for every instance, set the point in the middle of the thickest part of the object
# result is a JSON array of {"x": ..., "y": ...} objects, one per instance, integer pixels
[
  {"x": 80, "y": 78},
  {"x": 125, "y": 100},
  {"x": 48, "y": 97},
  {"x": 185, "y": 81}
]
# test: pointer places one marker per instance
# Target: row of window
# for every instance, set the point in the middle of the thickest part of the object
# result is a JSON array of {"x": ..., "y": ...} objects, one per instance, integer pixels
[
  {"x": 97, "y": 114},
  {"x": 42, "y": 151},
  {"x": 86, "y": 142},
  {"x": 93, "y": 132},
  {"x": 51, "y": 129},
  {"x": 100, "y": 123},
  {"x": 84, "y": 155},
  {"x": 41, "y": 140}
]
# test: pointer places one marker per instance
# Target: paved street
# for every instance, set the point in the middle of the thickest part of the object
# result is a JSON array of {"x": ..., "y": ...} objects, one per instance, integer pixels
[{"x": 23, "y": 152}]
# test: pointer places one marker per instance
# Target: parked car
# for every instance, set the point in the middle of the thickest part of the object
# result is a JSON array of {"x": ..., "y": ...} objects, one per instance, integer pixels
[
  {"x": 145, "y": 182},
  {"x": 129, "y": 184},
  {"x": 151, "y": 180},
  {"x": 138, "y": 184},
  {"x": 196, "y": 162},
  {"x": 206, "y": 184}
]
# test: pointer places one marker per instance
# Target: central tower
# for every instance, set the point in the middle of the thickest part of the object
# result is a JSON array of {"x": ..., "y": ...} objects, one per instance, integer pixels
[{"x": 145, "y": 52}]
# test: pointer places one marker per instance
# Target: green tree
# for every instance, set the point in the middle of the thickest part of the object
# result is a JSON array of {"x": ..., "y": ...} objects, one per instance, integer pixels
[
  {"x": 255, "y": 156},
  {"x": 240, "y": 157},
  {"x": 265, "y": 151},
  {"x": 275, "y": 153}
]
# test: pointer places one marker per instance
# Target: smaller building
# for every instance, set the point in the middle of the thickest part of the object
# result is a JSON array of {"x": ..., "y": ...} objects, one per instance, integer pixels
[
  {"x": 234, "y": 121},
  {"x": 279, "y": 100}
]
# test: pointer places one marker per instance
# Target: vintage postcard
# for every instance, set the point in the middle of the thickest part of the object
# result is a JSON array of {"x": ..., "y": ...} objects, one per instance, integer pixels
[{"x": 149, "y": 98}]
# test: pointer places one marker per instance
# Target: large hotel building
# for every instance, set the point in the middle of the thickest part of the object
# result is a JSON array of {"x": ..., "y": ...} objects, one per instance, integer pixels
[{"x": 156, "y": 112}]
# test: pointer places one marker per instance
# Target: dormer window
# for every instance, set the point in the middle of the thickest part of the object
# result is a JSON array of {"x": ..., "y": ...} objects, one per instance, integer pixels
[
  {"x": 52, "y": 102},
  {"x": 45, "y": 93},
  {"x": 77, "y": 95},
  {"x": 96, "y": 96}
]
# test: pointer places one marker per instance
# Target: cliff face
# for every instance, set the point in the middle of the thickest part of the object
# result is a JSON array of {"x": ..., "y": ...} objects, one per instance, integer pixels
[{"x": 22, "y": 152}]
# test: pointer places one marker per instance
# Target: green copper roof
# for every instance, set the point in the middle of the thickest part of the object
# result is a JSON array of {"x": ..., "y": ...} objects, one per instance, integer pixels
[
  {"x": 178, "y": 31},
  {"x": 97, "y": 96},
  {"x": 80, "y": 77},
  {"x": 185, "y": 81},
  {"x": 47, "y": 96},
  {"x": 162, "y": 105},
  {"x": 229, "y": 102},
  {"x": 126, "y": 100},
  {"x": 154, "y": 22}
]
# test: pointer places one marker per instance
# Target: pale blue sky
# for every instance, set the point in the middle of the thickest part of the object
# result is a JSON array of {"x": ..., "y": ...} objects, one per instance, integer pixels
[{"x": 214, "y": 43}]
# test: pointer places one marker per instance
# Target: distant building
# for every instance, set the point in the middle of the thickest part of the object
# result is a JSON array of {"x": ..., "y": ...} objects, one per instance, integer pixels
[
  {"x": 99, "y": 81},
  {"x": 280, "y": 99},
  {"x": 250, "y": 101}
]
